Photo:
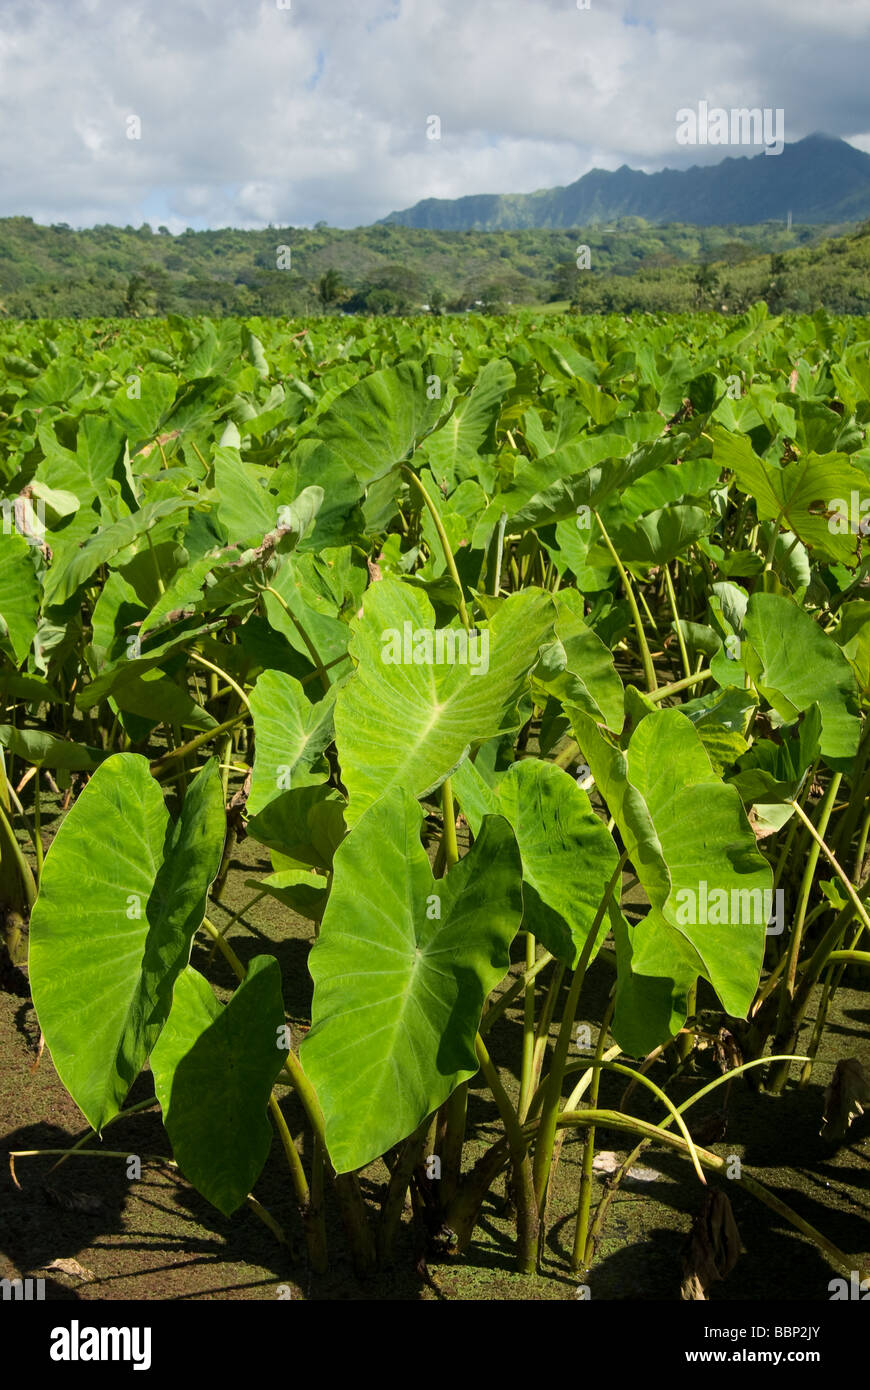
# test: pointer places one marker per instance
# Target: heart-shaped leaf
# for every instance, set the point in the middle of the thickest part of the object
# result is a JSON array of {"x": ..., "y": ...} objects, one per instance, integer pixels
[
  {"x": 401, "y": 969},
  {"x": 122, "y": 892},
  {"x": 408, "y": 719},
  {"x": 214, "y": 1067}
]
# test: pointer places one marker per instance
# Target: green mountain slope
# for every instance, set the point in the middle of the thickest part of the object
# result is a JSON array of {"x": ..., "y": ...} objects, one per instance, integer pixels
[{"x": 817, "y": 179}]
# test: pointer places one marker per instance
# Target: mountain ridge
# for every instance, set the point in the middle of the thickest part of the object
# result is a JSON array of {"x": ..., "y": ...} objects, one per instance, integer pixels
[{"x": 819, "y": 179}]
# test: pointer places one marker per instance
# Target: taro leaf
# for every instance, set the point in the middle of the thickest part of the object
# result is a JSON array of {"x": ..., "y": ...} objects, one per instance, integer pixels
[
  {"x": 184, "y": 591},
  {"x": 724, "y": 746},
  {"x": 853, "y": 636},
  {"x": 567, "y": 854},
  {"x": 302, "y": 890},
  {"x": 656, "y": 968},
  {"x": 19, "y": 595},
  {"x": 30, "y": 688},
  {"x": 578, "y": 668},
  {"x": 314, "y": 609},
  {"x": 794, "y": 663},
  {"x": 257, "y": 355},
  {"x": 291, "y": 734},
  {"x": 45, "y": 750},
  {"x": 122, "y": 892},
  {"x": 85, "y": 474},
  {"x": 63, "y": 580},
  {"x": 691, "y": 845},
  {"x": 402, "y": 723},
  {"x": 60, "y": 382},
  {"x": 143, "y": 414},
  {"x": 773, "y": 772},
  {"x": 549, "y": 489},
  {"x": 712, "y": 1249},
  {"x": 155, "y": 697},
  {"x": 244, "y": 506},
  {"x": 214, "y": 1067},
  {"x": 452, "y": 450},
  {"x": 374, "y": 425},
  {"x": 700, "y": 639},
  {"x": 339, "y": 518},
  {"x": 401, "y": 969},
  {"x": 799, "y": 495},
  {"x": 129, "y": 668},
  {"x": 306, "y": 825},
  {"x": 660, "y": 536},
  {"x": 845, "y": 1098}
]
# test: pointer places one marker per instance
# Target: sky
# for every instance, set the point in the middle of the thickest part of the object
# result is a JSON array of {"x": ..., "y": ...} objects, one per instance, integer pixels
[{"x": 285, "y": 112}]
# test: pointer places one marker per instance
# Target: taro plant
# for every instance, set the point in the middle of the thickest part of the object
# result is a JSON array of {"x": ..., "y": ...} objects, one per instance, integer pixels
[{"x": 523, "y": 659}]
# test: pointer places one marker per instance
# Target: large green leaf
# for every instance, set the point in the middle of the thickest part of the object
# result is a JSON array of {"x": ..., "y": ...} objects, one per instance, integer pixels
[
  {"x": 401, "y": 969},
  {"x": 376, "y": 423},
  {"x": 47, "y": 750},
  {"x": 555, "y": 486},
  {"x": 214, "y": 1067},
  {"x": 567, "y": 854},
  {"x": 578, "y": 668},
  {"x": 452, "y": 450},
  {"x": 19, "y": 595},
  {"x": 141, "y": 415},
  {"x": 794, "y": 664},
  {"x": 800, "y": 496},
  {"x": 122, "y": 892},
  {"x": 411, "y": 722},
  {"x": 291, "y": 734},
  {"x": 64, "y": 579},
  {"x": 656, "y": 968},
  {"x": 305, "y": 825},
  {"x": 662, "y": 535},
  {"x": 688, "y": 837}
]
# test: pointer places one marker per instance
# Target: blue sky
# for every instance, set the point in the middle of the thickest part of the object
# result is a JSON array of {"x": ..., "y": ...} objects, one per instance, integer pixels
[{"x": 293, "y": 111}]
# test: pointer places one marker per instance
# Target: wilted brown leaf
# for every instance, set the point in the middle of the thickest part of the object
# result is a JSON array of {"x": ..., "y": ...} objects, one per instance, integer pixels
[
  {"x": 74, "y": 1269},
  {"x": 712, "y": 1249},
  {"x": 845, "y": 1098}
]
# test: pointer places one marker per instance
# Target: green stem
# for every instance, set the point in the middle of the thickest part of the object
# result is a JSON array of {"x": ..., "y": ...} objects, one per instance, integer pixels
[
  {"x": 785, "y": 1020},
  {"x": 528, "y": 1030},
  {"x": 410, "y": 1155},
  {"x": 524, "y": 1192},
  {"x": 7, "y": 835},
  {"x": 210, "y": 666},
  {"x": 686, "y": 1039},
  {"x": 550, "y": 1107},
  {"x": 672, "y": 599},
  {"x": 584, "y": 1200},
  {"x": 37, "y": 826},
  {"x": 648, "y": 668},
  {"x": 505, "y": 1000},
  {"x": 818, "y": 836},
  {"x": 445, "y": 544},
  {"x": 309, "y": 645},
  {"x": 675, "y": 687},
  {"x": 613, "y": 1119},
  {"x": 451, "y": 845}
]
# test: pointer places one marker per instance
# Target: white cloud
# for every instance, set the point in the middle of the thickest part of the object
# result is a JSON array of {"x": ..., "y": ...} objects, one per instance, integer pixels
[{"x": 252, "y": 113}]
